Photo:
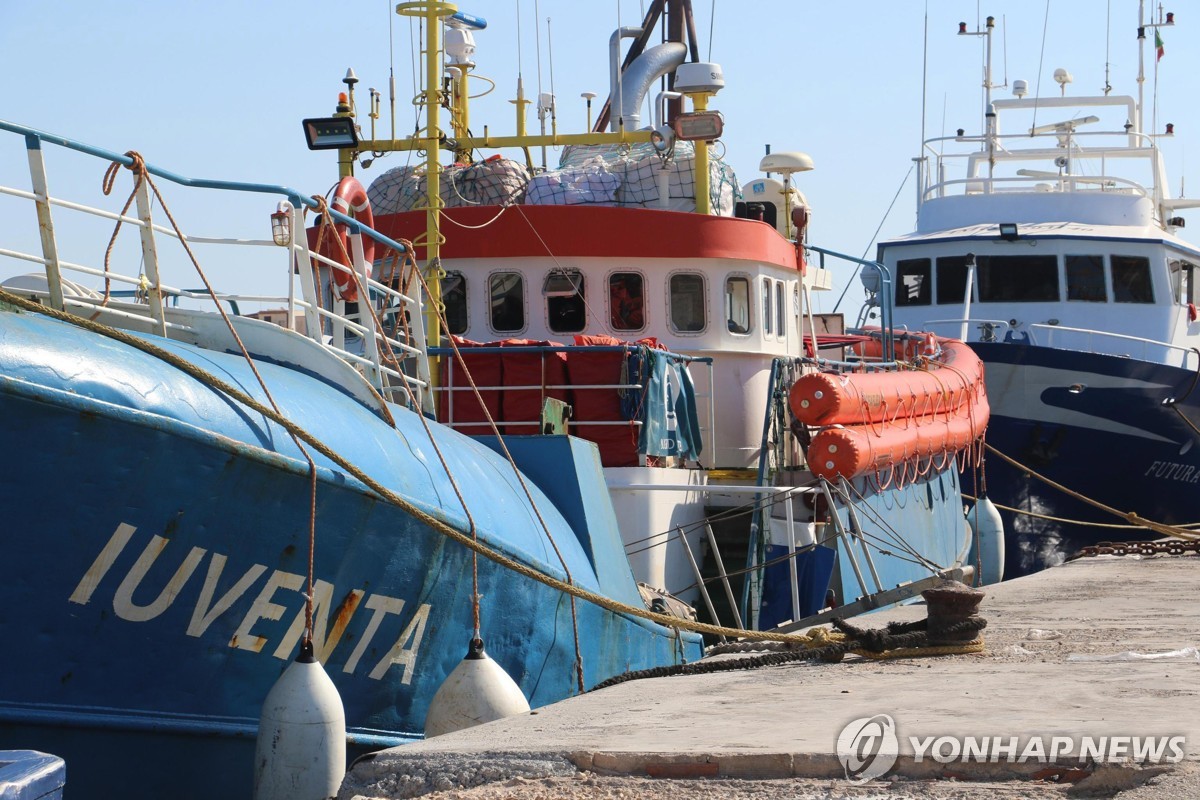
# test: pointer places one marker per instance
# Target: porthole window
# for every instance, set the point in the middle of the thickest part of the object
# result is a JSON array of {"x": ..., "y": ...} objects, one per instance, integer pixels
[
  {"x": 626, "y": 301},
  {"x": 565, "y": 307},
  {"x": 737, "y": 304},
  {"x": 506, "y": 291},
  {"x": 454, "y": 298},
  {"x": 687, "y": 302}
]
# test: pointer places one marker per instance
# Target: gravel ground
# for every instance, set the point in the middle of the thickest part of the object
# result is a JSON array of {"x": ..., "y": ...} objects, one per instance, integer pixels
[{"x": 1180, "y": 783}]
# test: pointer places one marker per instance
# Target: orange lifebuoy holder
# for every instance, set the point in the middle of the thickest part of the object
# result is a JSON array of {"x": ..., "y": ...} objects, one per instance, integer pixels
[{"x": 350, "y": 198}]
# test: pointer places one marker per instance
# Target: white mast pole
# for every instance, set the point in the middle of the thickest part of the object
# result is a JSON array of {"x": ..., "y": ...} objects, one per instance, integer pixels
[{"x": 1141, "y": 78}]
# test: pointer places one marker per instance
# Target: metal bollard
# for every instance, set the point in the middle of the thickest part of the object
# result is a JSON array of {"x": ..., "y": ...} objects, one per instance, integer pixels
[{"x": 947, "y": 605}]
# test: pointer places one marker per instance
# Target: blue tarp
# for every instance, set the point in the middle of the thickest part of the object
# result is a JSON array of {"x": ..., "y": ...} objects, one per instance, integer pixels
[{"x": 670, "y": 423}]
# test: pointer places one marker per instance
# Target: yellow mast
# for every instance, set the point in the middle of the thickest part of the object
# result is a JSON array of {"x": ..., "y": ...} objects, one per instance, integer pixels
[
  {"x": 700, "y": 164},
  {"x": 432, "y": 11}
]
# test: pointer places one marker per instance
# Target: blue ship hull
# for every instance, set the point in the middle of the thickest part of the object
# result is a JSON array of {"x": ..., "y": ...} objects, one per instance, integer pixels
[
  {"x": 1101, "y": 426},
  {"x": 156, "y": 544}
]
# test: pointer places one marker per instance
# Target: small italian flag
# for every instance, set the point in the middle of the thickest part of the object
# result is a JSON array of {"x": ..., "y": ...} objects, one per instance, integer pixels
[{"x": 1158, "y": 47}]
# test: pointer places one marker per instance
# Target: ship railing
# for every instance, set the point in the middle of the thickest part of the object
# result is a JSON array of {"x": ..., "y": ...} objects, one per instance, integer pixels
[
  {"x": 458, "y": 387},
  {"x": 393, "y": 365},
  {"x": 1044, "y": 334},
  {"x": 1120, "y": 145},
  {"x": 879, "y": 281},
  {"x": 989, "y": 329},
  {"x": 1118, "y": 344},
  {"x": 1023, "y": 183}
]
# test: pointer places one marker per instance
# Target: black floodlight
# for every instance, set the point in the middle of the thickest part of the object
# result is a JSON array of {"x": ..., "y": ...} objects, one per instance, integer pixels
[
  {"x": 1008, "y": 231},
  {"x": 330, "y": 133}
]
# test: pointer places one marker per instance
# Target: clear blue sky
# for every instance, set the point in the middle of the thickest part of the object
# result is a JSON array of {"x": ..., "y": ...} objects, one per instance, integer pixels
[{"x": 218, "y": 89}]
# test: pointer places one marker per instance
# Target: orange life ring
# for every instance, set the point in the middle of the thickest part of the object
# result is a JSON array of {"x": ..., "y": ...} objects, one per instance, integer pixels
[{"x": 350, "y": 198}]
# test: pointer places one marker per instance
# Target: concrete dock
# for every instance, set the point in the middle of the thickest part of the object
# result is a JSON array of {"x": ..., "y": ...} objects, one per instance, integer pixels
[{"x": 1064, "y": 658}]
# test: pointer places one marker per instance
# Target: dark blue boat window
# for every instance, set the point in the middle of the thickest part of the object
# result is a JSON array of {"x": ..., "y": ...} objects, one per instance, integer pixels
[
  {"x": 1085, "y": 278},
  {"x": 1131, "y": 279},
  {"x": 626, "y": 301},
  {"x": 687, "y": 302},
  {"x": 507, "y": 293},
  {"x": 951, "y": 280},
  {"x": 913, "y": 282},
  {"x": 1017, "y": 279},
  {"x": 454, "y": 297},
  {"x": 737, "y": 304}
]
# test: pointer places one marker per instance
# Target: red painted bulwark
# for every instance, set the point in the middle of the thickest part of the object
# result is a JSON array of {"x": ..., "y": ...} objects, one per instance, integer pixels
[{"x": 595, "y": 232}]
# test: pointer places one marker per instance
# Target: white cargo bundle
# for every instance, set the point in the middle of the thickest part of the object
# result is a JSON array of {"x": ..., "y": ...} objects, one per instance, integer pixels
[
  {"x": 628, "y": 176},
  {"x": 495, "y": 182}
]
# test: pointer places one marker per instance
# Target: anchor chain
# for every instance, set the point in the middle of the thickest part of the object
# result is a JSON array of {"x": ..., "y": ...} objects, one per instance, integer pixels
[
  {"x": 896, "y": 640},
  {"x": 1168, "y": 548}
]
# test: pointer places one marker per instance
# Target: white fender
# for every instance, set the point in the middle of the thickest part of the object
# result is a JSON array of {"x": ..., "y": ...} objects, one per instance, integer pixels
[
  {"x": 477, "y": 691},
  {"x": 301, "y": 752},
  {"x": 985, "y": 518}
]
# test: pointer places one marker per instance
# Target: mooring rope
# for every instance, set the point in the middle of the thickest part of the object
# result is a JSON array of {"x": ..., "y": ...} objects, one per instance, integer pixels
[
  {"x": 897, "y": 640},
  {"x": 138, "y": 168},
  {"x": 438, "y": 525},
  {"x": 1132, "y": 517}
]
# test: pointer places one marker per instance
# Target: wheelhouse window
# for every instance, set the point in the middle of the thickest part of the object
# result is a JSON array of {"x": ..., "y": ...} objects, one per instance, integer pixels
[
  {"x": 1017, "y": 279},
  {"x": 626, "y": 301},
  {"x": 1085, "y": 278},
  {"x": 507, "y": 293},
  {"x": 1131, "y": 279},
  {"x": 1183, "y": 282},
  {"x": 951, "y": 280},
  {"x": 768, "y": 317},
  {"x": 687, "y": 302},
  {"x": 780, "y": 316},
  {"x": 913, "y": 282},
  {"x": 454, "y": 298},
  {"x": 737, "y": 304},
  {"x": 565, "y": 306}
]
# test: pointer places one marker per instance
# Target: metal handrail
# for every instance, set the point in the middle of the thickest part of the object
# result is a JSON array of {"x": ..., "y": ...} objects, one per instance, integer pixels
[
  {"x": 708, "y": 431},
  {"x": 154, "y": 292},
  {"x": 1092, "y": 333},
  {"x": 885, "y": 282}
]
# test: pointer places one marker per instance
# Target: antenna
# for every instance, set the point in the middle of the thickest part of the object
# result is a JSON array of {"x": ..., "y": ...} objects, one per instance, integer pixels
[
  {"x": 924, "y": 98},
  {"x": 391, "y": 70},
  {"x": 1066, "y": 126},
  {"x": 1107, "y": 44}
]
